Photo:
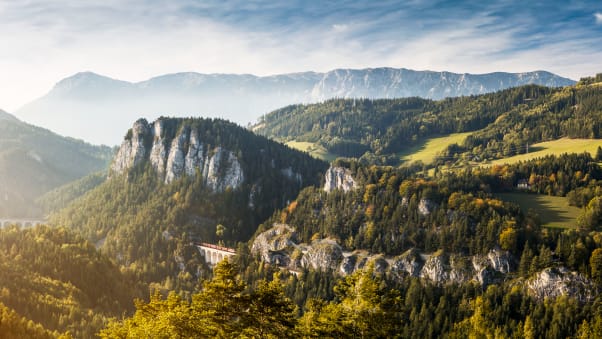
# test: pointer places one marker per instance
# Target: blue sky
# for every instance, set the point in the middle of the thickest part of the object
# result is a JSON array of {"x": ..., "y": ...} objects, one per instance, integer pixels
[{"x": 45, "y": 41}]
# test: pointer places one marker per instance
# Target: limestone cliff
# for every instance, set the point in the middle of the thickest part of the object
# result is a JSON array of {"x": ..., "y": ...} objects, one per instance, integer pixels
[
  {"x": 182, "y": 154},
  {"x": 339, "y": 178},
  {"x": 133, "y": 148},
  {"x": 278, "y": 246}
]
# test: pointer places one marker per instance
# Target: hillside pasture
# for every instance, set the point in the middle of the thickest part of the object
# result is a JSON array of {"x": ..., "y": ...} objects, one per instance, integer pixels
[
  {"x": 553, "y": 212},
  {"x": 315, "y": 150},
  {"x": 428, "y": 150},
  {"x": 554, "y": 147}
]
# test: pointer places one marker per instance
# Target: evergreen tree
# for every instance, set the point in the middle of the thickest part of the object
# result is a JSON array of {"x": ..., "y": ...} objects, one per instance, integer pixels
[{"x": 221, "y": 306}]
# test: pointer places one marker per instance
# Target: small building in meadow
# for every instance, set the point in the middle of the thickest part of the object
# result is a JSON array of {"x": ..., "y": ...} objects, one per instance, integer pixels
[{"x": 523, "y": 184}]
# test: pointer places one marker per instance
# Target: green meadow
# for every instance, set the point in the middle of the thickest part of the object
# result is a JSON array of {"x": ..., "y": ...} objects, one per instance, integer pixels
[
  {"x": 553, "y": 211},
  {"x": 430, "y": 148},
  {"x": 554, "y": 147},
  {"x": 315, "y": 150}
]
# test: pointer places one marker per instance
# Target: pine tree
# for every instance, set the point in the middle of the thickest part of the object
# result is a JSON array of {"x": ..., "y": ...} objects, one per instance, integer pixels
[
  {"x": 528, "y": 329},
  {"x": 525, "y": 260},
  {"x": 595, "y": 263},
  {"x": 271, "y": 313},
  {"x": 221, "y": 307}
]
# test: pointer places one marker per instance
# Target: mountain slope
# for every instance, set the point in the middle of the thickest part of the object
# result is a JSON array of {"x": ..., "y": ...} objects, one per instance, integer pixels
[
  {"x": 34, "y": 160},
  {"x": 174, "y": 181},
  {"x": 501, "y": 123},
  {"x": 59, "y": 280},
  {"x": 352, "y": 127},
  {"x": 107, "y": 103}
]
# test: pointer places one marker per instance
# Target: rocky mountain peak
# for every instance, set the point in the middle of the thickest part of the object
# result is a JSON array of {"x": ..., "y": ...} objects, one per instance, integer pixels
[{"x": 182, "y": 154}]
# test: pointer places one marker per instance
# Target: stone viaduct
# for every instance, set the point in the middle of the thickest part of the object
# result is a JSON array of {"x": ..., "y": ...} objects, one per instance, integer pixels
[
  {"x": 21, "y": 222},
  {"x": 214, "y": 253}
]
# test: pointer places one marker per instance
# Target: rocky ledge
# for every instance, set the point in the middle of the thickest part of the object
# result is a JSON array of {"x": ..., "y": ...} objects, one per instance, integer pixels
[{"x": 279, "y": 246}]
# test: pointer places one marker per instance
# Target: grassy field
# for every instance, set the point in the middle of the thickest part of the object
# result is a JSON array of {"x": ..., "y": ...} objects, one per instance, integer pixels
[
  {"x": 553, "y": 211},
  {"x": 427, "y": 150},
  {"x": 555, "y": 147},
  {"x": 315, "y": 150}
]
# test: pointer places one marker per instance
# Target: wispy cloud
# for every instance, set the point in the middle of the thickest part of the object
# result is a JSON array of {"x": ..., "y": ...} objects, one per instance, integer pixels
[
  {"x": 44, "y": 41},
  {"x": 338, "y": 28}
]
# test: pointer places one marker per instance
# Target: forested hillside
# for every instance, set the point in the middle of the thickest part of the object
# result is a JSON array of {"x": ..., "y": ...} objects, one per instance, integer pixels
[
  {"x": 503, "y": 123},
  {"x": 12, "y": 325},
  {"x": 34, "y": 161},
  {"x": 62, "y": 196},
  {"x": 56, "y": 278},
  {"x": 146, "y": 215},
  {"x": 436, "y": 257},
  {"x": 434, "y": 233}
]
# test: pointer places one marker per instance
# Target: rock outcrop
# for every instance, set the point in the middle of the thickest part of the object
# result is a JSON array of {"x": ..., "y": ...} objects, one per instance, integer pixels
[
  {"x": 276, "y": 239},
  {"x": 436, "y": 268},
  {"x": 339, "y": 178},
  {"x": 425, "y": 206},
  {"x": 323, "y": 254},
  {"x": 279, "y": 246},
  {"x": 559, "y": 281},
  {"x": 133, "y": 148},
  {"x": 184, "y": 154},
  {"x": 410, "y": 263}
]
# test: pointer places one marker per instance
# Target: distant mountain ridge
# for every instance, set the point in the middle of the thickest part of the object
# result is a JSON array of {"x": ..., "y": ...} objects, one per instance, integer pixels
[
  {"x": 34, "y": 160},
  {"x": 7, "y": 116},
  {"x": 110, "y": 105}
]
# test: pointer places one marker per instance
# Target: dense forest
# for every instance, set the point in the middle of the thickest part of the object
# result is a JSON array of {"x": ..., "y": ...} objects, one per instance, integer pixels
[
  {"x": 54, "y": 277},
  {"x": 364, "y": 305},
  {"x": 383, "y": 216},
  {"x": 466, "y": 218}
]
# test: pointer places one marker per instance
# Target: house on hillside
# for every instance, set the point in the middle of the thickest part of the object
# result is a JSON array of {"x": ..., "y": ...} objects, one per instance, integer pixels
[{"x": 523, "y": 184}]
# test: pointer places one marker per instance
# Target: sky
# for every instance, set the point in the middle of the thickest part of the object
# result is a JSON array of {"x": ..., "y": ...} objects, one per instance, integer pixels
[{"x": 42, "y": 42}]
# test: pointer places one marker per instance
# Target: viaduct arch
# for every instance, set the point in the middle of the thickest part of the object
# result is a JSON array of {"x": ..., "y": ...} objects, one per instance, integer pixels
[{"x": 214, "y": 253}]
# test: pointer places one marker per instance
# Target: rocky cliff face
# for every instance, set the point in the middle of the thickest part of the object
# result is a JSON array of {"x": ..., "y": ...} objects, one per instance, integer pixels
[
  {"x": 339, "y": 178},
  {"x": 132, "y": 150},
  {"x": 278, "y": 246},
  {"x": 277, "y": 238},
  {"x": 184, "y": 154},
  {"x": 323, "y": 254}
]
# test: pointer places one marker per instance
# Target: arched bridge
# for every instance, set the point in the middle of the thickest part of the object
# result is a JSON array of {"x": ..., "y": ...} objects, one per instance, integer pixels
[
  {"x": 21, "y": 222},
  {"x": 214, "y": 253}
]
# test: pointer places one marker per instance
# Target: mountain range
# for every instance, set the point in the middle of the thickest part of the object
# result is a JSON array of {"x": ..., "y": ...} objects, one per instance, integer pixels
[{"x": 96, "y": 108}]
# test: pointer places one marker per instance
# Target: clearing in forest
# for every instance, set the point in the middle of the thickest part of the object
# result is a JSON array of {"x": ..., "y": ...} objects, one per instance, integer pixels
[
  {"x": 553, "y": 211},
  {"x": 554, "y": 147}
]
